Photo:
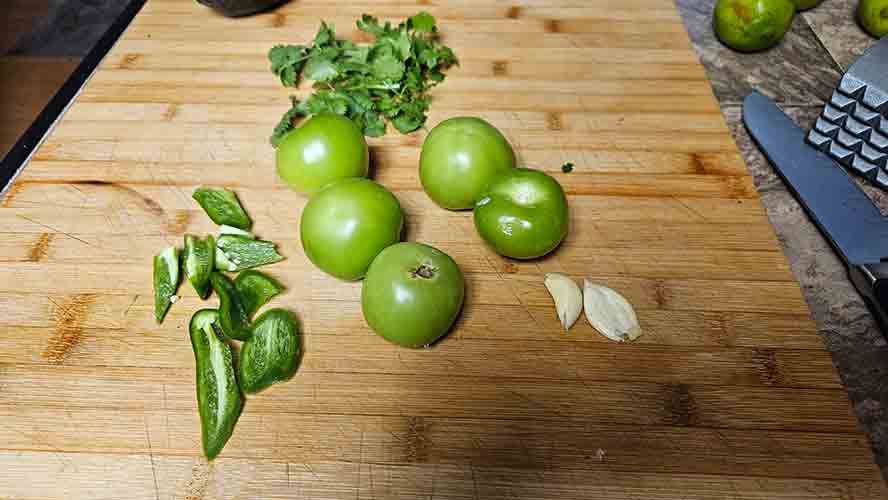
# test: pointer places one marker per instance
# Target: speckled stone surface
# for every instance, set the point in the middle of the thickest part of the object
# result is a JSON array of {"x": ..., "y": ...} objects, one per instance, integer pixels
[{"x": 800, "y": 73}]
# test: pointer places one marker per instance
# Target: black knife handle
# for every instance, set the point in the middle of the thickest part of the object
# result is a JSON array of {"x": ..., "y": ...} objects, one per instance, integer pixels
[{"x": 871, "y": 280}]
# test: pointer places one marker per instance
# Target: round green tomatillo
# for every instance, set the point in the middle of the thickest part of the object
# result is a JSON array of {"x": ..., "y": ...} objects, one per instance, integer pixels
[
  {"x": 412, "y": 294},
  {"x": 324, "y": 148},
  {"x": 752, "y": 25},
  {"x": 873, "y": 16},
  {"x": 459, "y": 158},
  {"x": 523, "y": 214},
  {"x": 806, "y": 4},
  {"x": 345, "y": 226}
]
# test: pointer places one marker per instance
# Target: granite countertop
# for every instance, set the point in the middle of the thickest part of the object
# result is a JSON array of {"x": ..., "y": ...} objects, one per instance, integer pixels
[{"x": 800, "y": 74}]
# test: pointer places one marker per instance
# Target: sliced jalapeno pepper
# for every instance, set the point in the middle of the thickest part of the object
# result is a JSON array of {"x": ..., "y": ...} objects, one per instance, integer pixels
[
  {"x": 223, "y": 229},
  {"x": 222, "y": 262},
  {"x": 198, "y": 262},
  {"x": 222, "y": 206},
  {"x": 219, "y": 400},
  {"x": 233, "y": 317},
  {"x": 166, "y": 280},
  {"x": 271, "y": 353},
  {"x": 255, "y": 289},
  {"x": 239, "y": 252}
]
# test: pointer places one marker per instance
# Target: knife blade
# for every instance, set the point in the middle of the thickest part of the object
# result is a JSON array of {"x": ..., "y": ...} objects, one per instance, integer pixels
[{"x": 837, "y": 205}]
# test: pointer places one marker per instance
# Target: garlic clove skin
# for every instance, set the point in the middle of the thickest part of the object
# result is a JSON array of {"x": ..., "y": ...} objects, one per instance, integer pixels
[
  {"x": 567, "y": 296},
  {"x": 610, "y": 313}
]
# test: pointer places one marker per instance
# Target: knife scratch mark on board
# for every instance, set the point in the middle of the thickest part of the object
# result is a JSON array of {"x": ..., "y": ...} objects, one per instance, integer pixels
[
  {"x": 277, "y": 20},
  {"x": 151, "y": 457},
  {"x": 128, "y": 61},
  {"x": 552, "y": 26},
  {"x": 661, "y": 295},
  {"x": 197, "y": 484},
  {"x": 553, "y": 121},
  {"x": 179, "y": 223},
  {"x": 150, "y": 205},
  {"x": 416, "y": 440},
  {"x": 171, "y": 111},
  {"x": 697, "y": 164},
  {"x": 10, "y": 195},
  {"x": 40, "y": 248},
  {"x": 130, "y": 306},
  {"x": 69, "y": 317},
  {"x": 47, "y": 226},
  {"x": 768, "y": 366},
  {"x": 681, "y": 407}
]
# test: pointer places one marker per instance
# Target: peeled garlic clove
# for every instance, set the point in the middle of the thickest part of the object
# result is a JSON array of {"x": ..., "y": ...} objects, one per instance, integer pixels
[
  {"x": 567, "y": 296},
  {"x": 610, "y": 313}
]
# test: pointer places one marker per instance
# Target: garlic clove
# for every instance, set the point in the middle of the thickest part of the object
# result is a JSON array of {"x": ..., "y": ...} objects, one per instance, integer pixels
[
  {"x": 610, "y": 313},
  {"x": 567, "y": 296}
]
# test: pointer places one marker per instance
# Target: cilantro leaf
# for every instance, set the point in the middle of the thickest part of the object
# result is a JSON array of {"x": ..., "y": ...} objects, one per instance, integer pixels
[
  {"x": 370, "y": 24},
  {"x": 428, "y": 57},
  {"x": 285, "y": 124},
  {"x": 287, "y": 62},
  {"x": 388, "y": 67},
  {"x": 374, "y": 124},
  {"x": 403, "y": 44},
  {"x": 567, "y": 167},
  {"x": 327, "y": 101},
  {"x": 325, "y": 35},
  {"x": 357, "y": 55},
  {"x": 408, "y": 121},
  {"x": 320, "y": 69},
  {"x": 423, "y": 22}
]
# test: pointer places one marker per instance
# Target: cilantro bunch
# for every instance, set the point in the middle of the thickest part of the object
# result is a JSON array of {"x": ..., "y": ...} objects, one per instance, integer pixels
[{"x": 389, "y": 79}]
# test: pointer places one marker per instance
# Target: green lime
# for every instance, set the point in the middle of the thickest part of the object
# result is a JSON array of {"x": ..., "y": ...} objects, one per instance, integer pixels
[
  {"x": 752, "y": 25},
  {"x": 873, "y": 16},
  {"x": 806, "y": 4}
]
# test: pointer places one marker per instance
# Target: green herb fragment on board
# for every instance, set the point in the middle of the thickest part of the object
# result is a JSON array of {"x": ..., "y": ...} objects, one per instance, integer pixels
[
  {"x": 567, "y": 167},
  {"x": 387, "y": 80}
]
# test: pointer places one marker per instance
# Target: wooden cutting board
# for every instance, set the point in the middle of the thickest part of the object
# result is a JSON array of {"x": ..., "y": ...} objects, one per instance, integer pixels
[{"x": 728, "y": 394}]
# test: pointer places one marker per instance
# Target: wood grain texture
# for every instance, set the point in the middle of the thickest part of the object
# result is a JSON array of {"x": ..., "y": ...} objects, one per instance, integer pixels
[{"x": 729, "y": 394}]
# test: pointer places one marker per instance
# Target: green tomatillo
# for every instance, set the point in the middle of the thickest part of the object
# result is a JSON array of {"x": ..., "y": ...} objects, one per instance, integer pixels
[
  {"x": 523, "y": 214},
  {"x": 873, "y": 16},
  {"x": 459, "y": 158},
  {"x": 324, "y": 148},
  {"x": 345, "y": 226},
  {"x": 752, "y": 25},
  {"x": 806, "y": 4},
  {"x": 412, "y": 294}
]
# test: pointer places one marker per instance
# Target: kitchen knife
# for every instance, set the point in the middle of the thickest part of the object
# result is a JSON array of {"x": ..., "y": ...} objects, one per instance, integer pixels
[{"x": 840, "y": 209}]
